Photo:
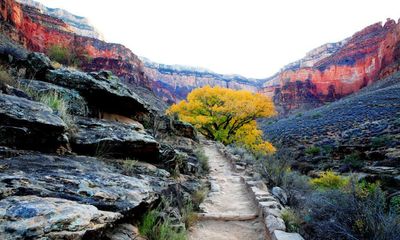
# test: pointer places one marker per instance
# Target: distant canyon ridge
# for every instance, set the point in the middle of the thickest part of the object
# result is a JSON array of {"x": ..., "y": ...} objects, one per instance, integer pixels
[{"x": 325, "y": 74}]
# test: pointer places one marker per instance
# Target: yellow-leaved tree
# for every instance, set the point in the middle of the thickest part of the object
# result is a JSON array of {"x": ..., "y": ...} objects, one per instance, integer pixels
[{"x": 227, "y": 115}]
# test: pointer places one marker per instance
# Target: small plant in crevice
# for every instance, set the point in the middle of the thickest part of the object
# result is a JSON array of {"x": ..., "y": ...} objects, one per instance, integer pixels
[
  {"x": 156, "y": 225},
  {"x": 189, "y": 215},
  {"x": 203, "y": 160},
  {"x": 128, "y": 166},
  {"x": 292, "y": 220},
  {"x": 199, "y": 196}
]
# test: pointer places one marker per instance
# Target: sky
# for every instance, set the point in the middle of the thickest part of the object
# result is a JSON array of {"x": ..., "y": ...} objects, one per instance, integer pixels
[{"x": 253, "y": 38}]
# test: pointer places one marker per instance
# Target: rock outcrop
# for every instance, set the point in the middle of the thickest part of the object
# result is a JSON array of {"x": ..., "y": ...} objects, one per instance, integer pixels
[
  {"x": 181, "y": 80},
  {"x": 27, "y": 124},
  {"x": 113, "y": 139},
  {"x": 336, "y": 70},
  {"x": 101, "y": 90},
  {"x": 32, "y": 217}
]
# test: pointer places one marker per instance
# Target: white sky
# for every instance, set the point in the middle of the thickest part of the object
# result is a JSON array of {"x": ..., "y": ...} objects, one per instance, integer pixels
[{"x": 254, "y": 38}]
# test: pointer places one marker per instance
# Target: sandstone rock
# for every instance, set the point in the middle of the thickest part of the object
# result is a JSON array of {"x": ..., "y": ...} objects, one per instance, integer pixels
[
  {"x": 274, "y": 223},
  {"x": 32, "y": 217},
  {"x": 77, "y": 105},
  {"x": 82, "y": 179},
  {"x": 112, "y": 139},
  {"x": 101, "y": 91},
  {"x": 29, "y": 125},
  {"x": 280, "y": 194},
  {"x": 281, "y": 235}
]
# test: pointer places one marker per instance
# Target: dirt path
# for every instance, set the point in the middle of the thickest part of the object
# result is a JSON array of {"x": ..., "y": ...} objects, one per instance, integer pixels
[{"x": 228, "y": 198}]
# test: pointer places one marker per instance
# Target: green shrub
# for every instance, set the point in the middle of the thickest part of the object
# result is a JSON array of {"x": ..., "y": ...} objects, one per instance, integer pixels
[
  {"x": 154, "y": 227},
  {"x": 189, "y": 216},
  {"x": 380, "y": 141},
  {"x": 329, "y": 180},
  {"x": 203, "y": 160},
  {"x": 354, "y": 161},
  {"x": 292, "y": 220},
  {"x": 344, "y": 214},
  {"x": 313, "y": 151},
  {"x": 395, "y": 204},
  {"x": 199, "y": 196}
]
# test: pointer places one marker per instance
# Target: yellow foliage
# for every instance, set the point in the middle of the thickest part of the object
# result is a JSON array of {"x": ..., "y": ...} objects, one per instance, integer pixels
[
  {"x": 227, "y": 115},
  {"x": 329, "y": 180},
  {"x": 250, "y": 137}
]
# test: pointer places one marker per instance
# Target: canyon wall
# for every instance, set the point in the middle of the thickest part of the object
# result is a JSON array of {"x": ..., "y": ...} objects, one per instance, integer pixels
[
  {"x": 38, "y": 31},
  {"x": 336, "y": 70},
  {"x": 181, "y": 80}
]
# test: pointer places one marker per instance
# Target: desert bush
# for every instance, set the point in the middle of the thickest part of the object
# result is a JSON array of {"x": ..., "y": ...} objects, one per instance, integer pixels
[
  {"x": 354, "y": 161},
  {"x": 274, "y": 167},
  {"x": 296, "y": 187},
  {"x": 395, "y": 204},
  {"x": 329, "y": 180},
  {"x": 313, "y": 151},
  {"x": 203, "y": 160},
  {"x": 345, "y": 214},
  {"x": 198, "y": 197},
  {"x": 155, "y": 225},
  {"x": 380, "y": 141},
  {"x": 189, "y": 215},
  {"x": 292, "y": 220}
]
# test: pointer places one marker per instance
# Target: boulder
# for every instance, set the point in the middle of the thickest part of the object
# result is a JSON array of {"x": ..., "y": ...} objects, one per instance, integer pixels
[
  {"x": 281, "y": 235},
  {"x": 274, "y": 223},
  {"x": 76, "y": 104},
  {"x": 102, "y": 91},
  {"x": 37, "y": 64},
  {"x": 29, "y": 125},
  {"x": 171, "y": 126},
  {"x": 112, "y": 139},
  {"x": 280, "y": 194},
  {"x": 80, "y": 179},
  {"x": 32, "y": 217}
]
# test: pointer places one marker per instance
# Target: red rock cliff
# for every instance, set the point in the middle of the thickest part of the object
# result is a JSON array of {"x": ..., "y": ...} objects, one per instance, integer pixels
[
  {"x": 37, "y": 32},
  {"x": 364, "y": 58}
]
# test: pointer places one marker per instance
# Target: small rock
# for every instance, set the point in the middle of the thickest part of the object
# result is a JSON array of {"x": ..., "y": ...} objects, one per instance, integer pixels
[
  {"x": 274, "y": 223},
  {"x": 280, "y": 194},
  {"x": 281, "y": 235}
]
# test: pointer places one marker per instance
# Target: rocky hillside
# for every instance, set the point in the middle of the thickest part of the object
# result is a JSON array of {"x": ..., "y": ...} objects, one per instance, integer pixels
[
  {"x": 82, "y": 156},
  {"x": 181, "y": 80},
  {"x": 77, "y": 24},
  {"x": 360, "y": 133},
  {"x": 336, "y": 70}
]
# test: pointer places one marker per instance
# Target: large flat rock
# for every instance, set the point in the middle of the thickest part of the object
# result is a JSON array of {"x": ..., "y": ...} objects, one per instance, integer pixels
[
  {"x": 29, "y": 125},
  {"x": 84, "y": 180},
  {"x": 76, "y": 104},
  {"x": 101, "y": 90},
  {"x": 112, "y": 139},
  {"x": 32, "y": 217}
]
